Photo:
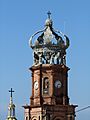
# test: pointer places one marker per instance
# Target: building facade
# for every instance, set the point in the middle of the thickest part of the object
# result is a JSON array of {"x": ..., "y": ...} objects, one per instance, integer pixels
[{"x": 49, "y": 99}]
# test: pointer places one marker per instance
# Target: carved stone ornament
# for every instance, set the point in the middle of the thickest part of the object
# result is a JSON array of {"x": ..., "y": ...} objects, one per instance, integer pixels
[{"x": 49, "y": 47}]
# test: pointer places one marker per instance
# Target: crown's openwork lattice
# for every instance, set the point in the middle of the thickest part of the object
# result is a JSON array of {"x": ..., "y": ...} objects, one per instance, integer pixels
[{"x": 49, "y": 47}]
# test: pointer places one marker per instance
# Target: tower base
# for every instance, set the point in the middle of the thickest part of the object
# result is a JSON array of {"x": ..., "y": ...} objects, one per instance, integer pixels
[{"x": 50, "y": 112}]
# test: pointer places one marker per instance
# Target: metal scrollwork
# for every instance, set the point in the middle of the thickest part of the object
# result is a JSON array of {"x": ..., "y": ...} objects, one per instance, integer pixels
[{"x": 49, "y": 47}]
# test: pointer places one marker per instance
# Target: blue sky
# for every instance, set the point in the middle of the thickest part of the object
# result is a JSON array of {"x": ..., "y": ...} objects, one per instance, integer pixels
[{"x": 19, "y": 19}]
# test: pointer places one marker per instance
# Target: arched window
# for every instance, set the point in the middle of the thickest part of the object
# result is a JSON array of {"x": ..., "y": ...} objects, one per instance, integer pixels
[
  {"x": 45, "y": 85},
  {"x": 34, "y": 118},
  {"x": 70, "y": 117},
  {"x": 26, "y": 118},
  {"x": 57, "y": 118}
]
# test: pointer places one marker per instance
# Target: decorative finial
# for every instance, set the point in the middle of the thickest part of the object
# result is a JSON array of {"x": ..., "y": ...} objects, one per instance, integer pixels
[
  {"x": 11, "y": 108},
  {"x": 11, "y": 91},
  {"x": 49, "y": 13}
]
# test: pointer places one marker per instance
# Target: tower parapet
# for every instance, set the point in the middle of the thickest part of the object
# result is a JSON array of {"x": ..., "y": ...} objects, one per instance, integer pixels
[{"x": 50, "y": 47}]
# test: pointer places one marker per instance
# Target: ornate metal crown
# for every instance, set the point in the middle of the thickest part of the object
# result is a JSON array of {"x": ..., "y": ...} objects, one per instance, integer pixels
[{"x": 49, "y": 47}]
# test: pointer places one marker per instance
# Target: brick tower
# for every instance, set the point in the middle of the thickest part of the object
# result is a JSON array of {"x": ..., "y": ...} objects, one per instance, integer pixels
[{"x": 49, "y": 100}]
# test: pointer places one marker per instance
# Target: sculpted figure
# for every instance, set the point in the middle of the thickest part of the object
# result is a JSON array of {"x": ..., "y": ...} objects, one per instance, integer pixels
[{"x": 36, "y": 58}]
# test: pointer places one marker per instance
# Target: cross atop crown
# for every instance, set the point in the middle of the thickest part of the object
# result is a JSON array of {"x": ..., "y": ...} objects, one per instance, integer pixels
[{"x": 49, "y": 14}]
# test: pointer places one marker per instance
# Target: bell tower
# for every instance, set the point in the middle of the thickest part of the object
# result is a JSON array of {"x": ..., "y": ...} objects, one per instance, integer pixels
[{"x": 49, "y": 99}]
